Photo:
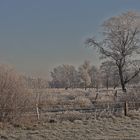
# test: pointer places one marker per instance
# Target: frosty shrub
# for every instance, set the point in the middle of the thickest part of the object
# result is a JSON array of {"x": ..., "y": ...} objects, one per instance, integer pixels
[
  {"x": 82, "y": 101},
  {"x": 71, "y": 116},
  {"x": 13, "y": 95}
]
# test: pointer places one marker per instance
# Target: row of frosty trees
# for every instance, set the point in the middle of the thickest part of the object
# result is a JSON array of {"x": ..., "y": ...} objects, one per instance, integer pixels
[
  {"x": 89, "y": 76},
  {"x": 119, "y": 45}
]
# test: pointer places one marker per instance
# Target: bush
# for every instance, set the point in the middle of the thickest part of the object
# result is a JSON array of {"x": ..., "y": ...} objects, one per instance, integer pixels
[
  {"x": 13, "y": 95},
  {"x": 82, "y": 101},
  {"x": 71, "y": 116}
]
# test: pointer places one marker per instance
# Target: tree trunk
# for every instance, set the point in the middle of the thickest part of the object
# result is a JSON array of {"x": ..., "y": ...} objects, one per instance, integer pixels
[{"x": 122, "y": 79}]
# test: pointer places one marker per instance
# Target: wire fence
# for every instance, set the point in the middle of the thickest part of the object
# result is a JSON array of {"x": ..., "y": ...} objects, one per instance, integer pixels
[{"x": 97, "y": 108}]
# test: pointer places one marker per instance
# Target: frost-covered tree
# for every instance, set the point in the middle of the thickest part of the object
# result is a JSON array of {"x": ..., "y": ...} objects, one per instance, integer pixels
[
  {"x": 64, "y": 76},
  {"x": 93, "y": 73},
  {"x": 84, "y": 74},
  {"x": 120, "y": 42}
]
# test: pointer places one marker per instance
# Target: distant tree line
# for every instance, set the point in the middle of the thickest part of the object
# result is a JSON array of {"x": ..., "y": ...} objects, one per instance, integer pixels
[
  {"x": 89, "y": 76},
  {"x": 85, "y": 76}
]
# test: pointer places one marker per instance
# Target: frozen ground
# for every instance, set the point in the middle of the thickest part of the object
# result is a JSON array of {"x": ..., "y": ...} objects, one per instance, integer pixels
[
  {"x": 103, "y": 128},
  {"x": 74, "y": 126}
]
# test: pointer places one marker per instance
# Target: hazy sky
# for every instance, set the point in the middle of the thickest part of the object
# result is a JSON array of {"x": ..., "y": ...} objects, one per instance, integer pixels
[{"x": 37, "y": 35}]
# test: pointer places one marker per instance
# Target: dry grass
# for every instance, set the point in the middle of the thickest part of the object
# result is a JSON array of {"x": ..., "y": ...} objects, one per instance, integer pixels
[
  {"x": 71, "y": 125},
  {"x": 51, "y": 100},
  {"x": 82, "y": 102},
  {"x": 13, "y": 94},
  {"x": 91, "y": 129}
]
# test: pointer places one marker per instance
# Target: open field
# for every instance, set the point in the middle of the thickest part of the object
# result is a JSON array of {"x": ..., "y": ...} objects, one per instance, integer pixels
[
  {"x": 71, "y": 124},
  {"x": 71, "y": 100},
  {"x": 102, "y": 128}
]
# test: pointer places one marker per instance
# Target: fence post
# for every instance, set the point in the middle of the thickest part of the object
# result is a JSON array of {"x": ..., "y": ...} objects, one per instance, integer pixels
[
  {"x": 97, "y": 94},
  {"x": 125, "y": 108},
  {"x": 37, "y": 111},
  {"x": 37, "y": 105}
]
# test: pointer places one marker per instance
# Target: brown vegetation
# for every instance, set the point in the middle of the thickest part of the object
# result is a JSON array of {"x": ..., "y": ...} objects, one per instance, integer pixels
[{"x": 13, "y": 95}]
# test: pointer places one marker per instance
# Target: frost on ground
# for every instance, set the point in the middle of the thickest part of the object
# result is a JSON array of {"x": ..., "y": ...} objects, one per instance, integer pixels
[
  {"x": 92, "y": 129},
  {"x": 73, "y": 125}
]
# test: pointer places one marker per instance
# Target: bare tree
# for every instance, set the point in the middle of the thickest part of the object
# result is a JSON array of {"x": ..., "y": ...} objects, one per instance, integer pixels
[{"x": 120, "y": 42}]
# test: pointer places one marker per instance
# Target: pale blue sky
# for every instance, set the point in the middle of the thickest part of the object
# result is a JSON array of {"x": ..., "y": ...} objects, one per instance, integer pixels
[{"x": 37, "y": 35}]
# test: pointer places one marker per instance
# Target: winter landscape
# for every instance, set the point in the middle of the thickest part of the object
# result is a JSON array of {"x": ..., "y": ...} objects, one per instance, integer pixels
[{"x": 52, "y": 90}]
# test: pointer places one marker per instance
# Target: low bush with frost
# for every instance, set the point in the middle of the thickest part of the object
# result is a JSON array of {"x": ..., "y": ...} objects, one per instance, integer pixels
[
  {"x": 82, "y": 101},
  {"x": 13, "y": 94}
]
